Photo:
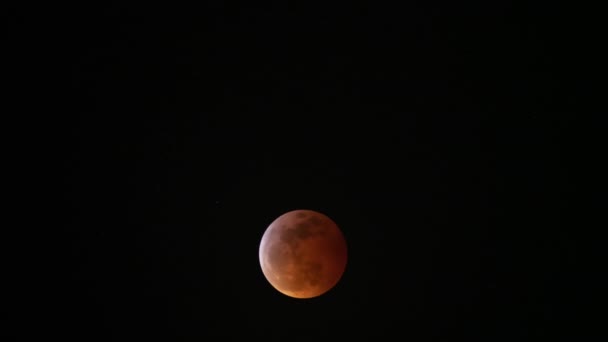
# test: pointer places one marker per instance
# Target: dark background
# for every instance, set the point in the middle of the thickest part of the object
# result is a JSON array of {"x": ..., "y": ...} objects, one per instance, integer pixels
[{"x": 434, "y": 133}]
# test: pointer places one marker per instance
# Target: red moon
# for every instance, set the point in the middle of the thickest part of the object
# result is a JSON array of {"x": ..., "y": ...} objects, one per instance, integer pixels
[{"x": 303, "y": 254}]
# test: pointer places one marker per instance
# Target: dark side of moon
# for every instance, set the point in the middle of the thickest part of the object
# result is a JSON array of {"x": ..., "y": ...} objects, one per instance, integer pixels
[{"x": 303, "y": 254}]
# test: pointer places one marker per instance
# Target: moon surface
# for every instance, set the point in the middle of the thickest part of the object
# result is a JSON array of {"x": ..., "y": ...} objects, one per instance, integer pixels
[{"x": 303, "y": 254}]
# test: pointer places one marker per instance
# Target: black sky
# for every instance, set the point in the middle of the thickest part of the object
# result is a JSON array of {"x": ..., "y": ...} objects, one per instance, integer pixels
[{"x": 432, "y": 133}]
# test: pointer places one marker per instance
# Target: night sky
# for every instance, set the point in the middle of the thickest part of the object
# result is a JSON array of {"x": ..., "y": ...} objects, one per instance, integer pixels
[{"x": 431, "y": 133}]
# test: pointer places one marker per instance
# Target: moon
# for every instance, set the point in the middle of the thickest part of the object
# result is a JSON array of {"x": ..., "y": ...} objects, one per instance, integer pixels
[{"x": 303, "y": 254}]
